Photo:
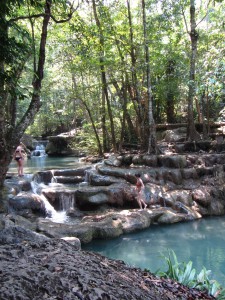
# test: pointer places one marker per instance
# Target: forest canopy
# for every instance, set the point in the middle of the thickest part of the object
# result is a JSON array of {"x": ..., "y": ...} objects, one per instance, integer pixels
[
  {"x": 95, "y": 75},
  {"x": 111, "y": 70}
]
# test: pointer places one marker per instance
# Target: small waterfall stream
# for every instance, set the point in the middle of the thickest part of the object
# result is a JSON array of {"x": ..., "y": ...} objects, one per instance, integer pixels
[
  {"x": 54, "y": 215},
  {"x": 39, "y": 150},
  {"x": 66, "y": 202}
]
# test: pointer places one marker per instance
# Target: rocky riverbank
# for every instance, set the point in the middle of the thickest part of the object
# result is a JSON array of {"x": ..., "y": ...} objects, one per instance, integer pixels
[
  {"x": 34, "y": 267},
  {"x": 100, "y": 201}
]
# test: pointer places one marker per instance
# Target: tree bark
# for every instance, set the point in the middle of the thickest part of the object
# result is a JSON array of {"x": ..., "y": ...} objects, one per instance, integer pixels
[
  {"x": 152, "y": 143},
  {"x": 103, "y": 75},
  {"x": 192, "y": 133},
  {"x": 170, "y": 93},
  {"x": 134, "y": 90}
]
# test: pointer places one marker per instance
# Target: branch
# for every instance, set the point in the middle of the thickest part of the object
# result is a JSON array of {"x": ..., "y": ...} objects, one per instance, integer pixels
[
  {"x": 185, "y": 21},
  {"x": 35, "y": 16},
  {"x": 26, "y": 17},
  {"x": 205, "y": 14}
]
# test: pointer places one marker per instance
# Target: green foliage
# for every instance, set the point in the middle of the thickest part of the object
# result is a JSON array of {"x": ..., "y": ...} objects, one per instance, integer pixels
[
  {"x": 85, "y": 141},
  {"x": 73, "y": 65},
  {"x": 186, "y": 275}
]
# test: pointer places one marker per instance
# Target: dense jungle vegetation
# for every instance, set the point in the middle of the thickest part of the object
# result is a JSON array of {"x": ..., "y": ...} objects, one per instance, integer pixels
[{"x": 109, "y": 69}]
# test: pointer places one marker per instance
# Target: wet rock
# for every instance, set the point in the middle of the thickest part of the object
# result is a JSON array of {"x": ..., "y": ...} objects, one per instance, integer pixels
[
  {"x": 98, "y": 180},
  {"x": 116, "y": 194},
  {"x": 173, "y": 175},
  {"x": 68, "y": 179},
  {"x": 132, "y": 222},
  {"x": 17, "y": 235},
  {"x": 201, "y": 196},
  {"x": 26, "y": 204},
  {"x": 113, "y": 161},
  {"x": 170, "y": 217},
  {"x": 8, "y": 220},
  {"x": 138, "y": 160},
  {"x": 172, "y": 161},
  {"x": 72, "y": 172},
  {"x": 189, "y": 173},
  {"x": 74, "y": 241},
  {"x": 175, "y": 135},
  {"x": 150, "y": 160}
]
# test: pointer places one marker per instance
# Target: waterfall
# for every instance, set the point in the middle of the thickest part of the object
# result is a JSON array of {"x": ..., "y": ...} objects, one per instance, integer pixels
[
  {"x": 39, "y": 149},
  {"x": 66, "y": 201},
  {"x": 36, "y": 188},
  {"x": 52, "y": 214},
  {"x": 87, "y": 177},
  {"x": 53, "y": 180}
]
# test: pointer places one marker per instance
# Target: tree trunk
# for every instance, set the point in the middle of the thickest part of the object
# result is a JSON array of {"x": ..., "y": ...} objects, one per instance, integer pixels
[
  {"x": 170, "y": 93},
  {"x": 134, "y": 90},
  {"x": 152, "y": 143},
  {"x": 103, "y": 76},
  {"x": 11, "y": 135},
  {"x": 100, "y": 152},
  {"x": 202, "y": 111},
  {"x": 192, "y": 133}
]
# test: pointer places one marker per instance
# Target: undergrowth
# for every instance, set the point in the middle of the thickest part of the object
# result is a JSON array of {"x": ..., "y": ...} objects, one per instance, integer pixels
[{"x": 186, "y": 275}]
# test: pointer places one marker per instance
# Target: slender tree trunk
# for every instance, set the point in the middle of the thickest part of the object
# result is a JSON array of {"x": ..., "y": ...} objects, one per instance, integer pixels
[
  {"x": 122, "y": 93},
  {"x": 134, "y": 90},
  {"x": 152, "y": 143},
  {"x": 100, "y": 152},
  {"x": 103, "y": 75},
  {"x": 103, "y": 122},
  {"x": 170, "y": 93},
  {"x": 192, "y": 133},
  {"x": 202, "y": 111}
]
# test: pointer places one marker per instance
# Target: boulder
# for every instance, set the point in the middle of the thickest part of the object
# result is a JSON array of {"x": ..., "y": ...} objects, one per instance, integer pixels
[
  {"x": 202, "y": 196},
  {"x": 27, "y": 204},
  {"x": 170, "y": 217}
]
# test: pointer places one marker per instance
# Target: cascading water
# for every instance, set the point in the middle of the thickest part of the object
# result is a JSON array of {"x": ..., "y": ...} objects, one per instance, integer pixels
[
  {"x": 36, "y": 188},
  {"x": 53, "y": 180},
  {"x": 55, "y": 216},
  {"x": 66, "y": 201},
  {"x": 39, "y": 150}
]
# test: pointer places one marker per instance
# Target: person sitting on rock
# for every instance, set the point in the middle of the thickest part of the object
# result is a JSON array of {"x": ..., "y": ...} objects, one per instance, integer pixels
[{"x": 140, "y": 191}]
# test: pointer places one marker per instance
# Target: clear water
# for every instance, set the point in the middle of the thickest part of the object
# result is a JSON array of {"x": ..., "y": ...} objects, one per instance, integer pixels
[
  {"x": 201, "y": 241},
  {"x": 39, "y": 163}
]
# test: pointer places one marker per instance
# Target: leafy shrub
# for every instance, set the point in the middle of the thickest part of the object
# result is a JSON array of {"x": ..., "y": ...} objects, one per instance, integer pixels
[{"x": 186, "y": 275}]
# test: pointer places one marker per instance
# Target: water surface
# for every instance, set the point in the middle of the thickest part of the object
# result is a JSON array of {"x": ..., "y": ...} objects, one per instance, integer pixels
[
  {"x": 201, "y": 241},
  {"x": 40, "y": 163}
]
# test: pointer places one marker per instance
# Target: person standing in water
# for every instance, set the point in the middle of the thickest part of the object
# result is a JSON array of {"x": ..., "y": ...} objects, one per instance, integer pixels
[
  {"x": 19, "y": 158},
  {"x": 140, "y": 191}
]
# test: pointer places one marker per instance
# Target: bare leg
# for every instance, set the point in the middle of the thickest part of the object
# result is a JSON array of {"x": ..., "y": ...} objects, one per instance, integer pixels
[
  {"x": 145, "y": 205},
  {"x": 139, "y": 203},
  {"x": 20, "y": 167}
]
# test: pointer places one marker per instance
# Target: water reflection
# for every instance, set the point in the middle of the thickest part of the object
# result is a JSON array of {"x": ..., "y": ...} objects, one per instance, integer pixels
[
  {"x": 38, "y": 163},
  {"x": 202, "y": 242}
]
